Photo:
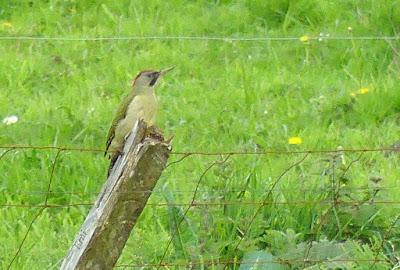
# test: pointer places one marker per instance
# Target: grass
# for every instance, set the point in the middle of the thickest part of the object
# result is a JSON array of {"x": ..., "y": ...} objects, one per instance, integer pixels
[{"x": 223, "y": 96}]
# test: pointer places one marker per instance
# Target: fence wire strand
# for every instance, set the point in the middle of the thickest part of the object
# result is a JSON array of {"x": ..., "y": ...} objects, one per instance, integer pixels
[
  {"x": 384, "y": 239},
  {"x": 266, "y": 198},
  {"x": 222, "y": 157},
  {"x": 197, "y": 38},
  {"x": 321, "y": 220},
  {"x": 212, "y": 153},
  {"x": 214, "y": 192},
  {"x": 40, "y": 211},
  {"x": 188, "y": 207},
  {"x": 216, "y": 204},
  {"x": 244, "y": 262}
]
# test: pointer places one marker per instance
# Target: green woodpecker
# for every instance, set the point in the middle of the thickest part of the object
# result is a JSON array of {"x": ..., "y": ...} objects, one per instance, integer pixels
[{"x": 140, "y": 103}]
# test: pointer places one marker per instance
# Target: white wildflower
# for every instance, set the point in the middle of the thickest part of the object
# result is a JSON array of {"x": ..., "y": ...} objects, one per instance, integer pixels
[
  {"x": 323, "y": 36},
  {"x": 9, "y": 120}
]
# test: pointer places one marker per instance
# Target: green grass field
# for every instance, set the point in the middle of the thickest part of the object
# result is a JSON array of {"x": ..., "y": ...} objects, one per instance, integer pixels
[{"x": 222, "y": 96}]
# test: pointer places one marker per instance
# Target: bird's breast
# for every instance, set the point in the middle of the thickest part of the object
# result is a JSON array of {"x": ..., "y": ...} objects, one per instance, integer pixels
[{"x": 142, "y": 107}]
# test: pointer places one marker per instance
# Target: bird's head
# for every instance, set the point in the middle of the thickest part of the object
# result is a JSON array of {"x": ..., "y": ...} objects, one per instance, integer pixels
[{"x": 147, "y": 79}]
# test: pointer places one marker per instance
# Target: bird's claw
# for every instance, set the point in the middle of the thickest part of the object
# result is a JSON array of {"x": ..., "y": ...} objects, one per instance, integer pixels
[
  {"x": 154, "y": 133},
  {"x": 157, "y": 134}
]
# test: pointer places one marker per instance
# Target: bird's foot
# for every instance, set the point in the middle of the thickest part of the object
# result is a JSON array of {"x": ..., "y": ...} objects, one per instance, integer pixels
[{"x": 154, "y": 133}]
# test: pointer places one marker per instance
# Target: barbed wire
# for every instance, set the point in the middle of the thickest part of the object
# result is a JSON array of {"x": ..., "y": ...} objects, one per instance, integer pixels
[
  {"x": 40, "y": 211},
  {"x": 49, "y": 147},
  {"x": 176, "y": 229},
  {"x": 245, "y": 262},
  {"x": 267, "y": 196},
  {"x": 198, "y": 38},
  {"x": 322, "y": 219},
  {"x": 219, "y": 203},
  {"x": 223, "y": 156},
  {"x": 210, "y": 153},
  {"x": 220, "y": 261},
  {"x": 214, "y": 191},
  {"x": 267, "y": 200},
  {"x": 384, "y": 239}
]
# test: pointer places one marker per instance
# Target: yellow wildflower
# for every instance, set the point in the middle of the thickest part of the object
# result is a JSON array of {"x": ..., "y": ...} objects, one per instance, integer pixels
[
  {"x": 295, "y": 140},
  {"x": 7, "y": 25},
  {"x": 304, "y": 38},
  {"x": 360, "y": 91},
  {"x": 363, "y": 90}
]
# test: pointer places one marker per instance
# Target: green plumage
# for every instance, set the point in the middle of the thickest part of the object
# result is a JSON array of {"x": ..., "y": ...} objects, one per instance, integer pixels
[
  {"x": 140, "y": 104},
  {"x": 121, "y": 113}
]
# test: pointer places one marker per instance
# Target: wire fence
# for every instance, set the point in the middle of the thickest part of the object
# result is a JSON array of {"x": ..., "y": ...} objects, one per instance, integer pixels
[
  {"x": 200, "y": 38},
  {"x": 329, "y": 200},
  {"x": 248, "y": 262},
  {"x": 329, "y": 207}
]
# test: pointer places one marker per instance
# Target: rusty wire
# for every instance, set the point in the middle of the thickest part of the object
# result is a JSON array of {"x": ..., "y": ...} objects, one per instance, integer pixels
[
  {"x": 190, "y": 205},
  {"x": 235, "y": 261},
  {"x": 196, "y": 38},
  {"x": 334, "y": 202},
  {"x": 40, "y": 211},
  {"x": 384, "y": 239},
  {"x": 208, "y": 203},
  {"x": 160, "y": 192},
  {"x": 211, "y": 204},
  {"x": 267, "y": 196},
  {"x": 211, "y": 153}
]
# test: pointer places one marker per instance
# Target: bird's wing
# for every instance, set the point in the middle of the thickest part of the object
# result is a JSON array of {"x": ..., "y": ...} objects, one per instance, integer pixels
[{"x": 121, "y": 113}]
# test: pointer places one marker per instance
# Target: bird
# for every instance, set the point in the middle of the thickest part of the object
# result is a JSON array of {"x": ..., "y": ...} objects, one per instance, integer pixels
[{"x": 141, "y": 103}]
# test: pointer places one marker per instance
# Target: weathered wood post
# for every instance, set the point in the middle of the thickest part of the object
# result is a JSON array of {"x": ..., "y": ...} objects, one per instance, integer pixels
[{"x": 106, "y": 229}]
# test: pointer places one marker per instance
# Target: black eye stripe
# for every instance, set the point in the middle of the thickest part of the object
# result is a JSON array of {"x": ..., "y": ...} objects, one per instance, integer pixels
[{"x": 153, "y": 81}]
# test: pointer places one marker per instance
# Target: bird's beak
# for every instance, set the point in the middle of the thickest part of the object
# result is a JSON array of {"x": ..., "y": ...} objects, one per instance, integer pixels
[{"x": 165, "y": 70}]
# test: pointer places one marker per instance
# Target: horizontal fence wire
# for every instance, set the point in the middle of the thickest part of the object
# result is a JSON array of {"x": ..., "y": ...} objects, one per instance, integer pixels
[
  {"x": 40, "y": 211},
  {"x": 210, "y": 153},
  {"x": 92, "y": 193},
  {"x": 333, "y": 202},
  {"x": 197, "y": 38},
  {"x": 221, "y": 158},
  {"x": 220, "y": 203},
  {"x": 245, "y": 262}
]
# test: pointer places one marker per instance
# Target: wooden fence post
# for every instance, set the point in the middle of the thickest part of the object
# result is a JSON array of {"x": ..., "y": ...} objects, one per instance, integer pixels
[{"x": 106, "y": 229}]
